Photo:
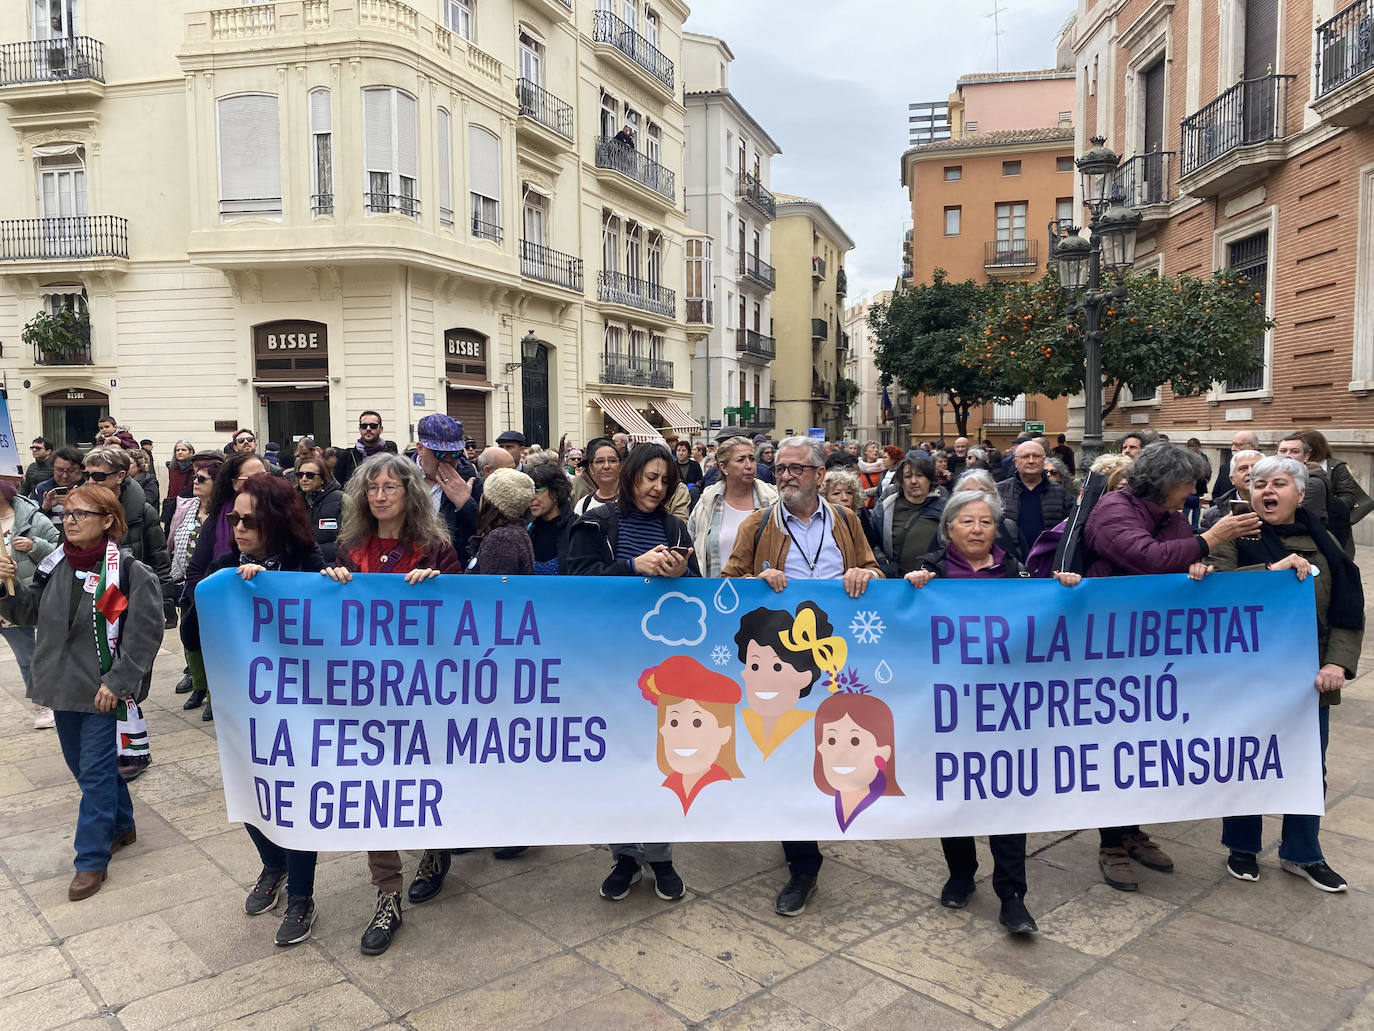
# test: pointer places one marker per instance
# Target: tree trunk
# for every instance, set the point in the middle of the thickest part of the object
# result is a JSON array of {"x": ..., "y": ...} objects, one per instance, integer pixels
[
  {"x": 961, "y": 410},
  {"x": 1111, "y": 405}
]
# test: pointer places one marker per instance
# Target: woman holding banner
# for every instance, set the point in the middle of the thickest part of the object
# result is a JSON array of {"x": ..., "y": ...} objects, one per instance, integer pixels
[
  {"x": 1290, "y": 537},
  {"x": 391, "y": 526},
  {"x": 30, "y": 537},
  {"x": 99, "y": 617},
  {"x": 1140, "y": 530},
  {"x": 969, "y": 529},
  {"x": 272, "y": 532},
  {"x": 637, "y": 537}
]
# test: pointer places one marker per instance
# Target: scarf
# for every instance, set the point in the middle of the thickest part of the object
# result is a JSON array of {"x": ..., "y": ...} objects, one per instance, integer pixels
[
  {"x": 368, "y": 452},
  {"x": 83, "y": 560},
  {"x": 107, "y": 606},
  {"x": 1346, "y": 610}
]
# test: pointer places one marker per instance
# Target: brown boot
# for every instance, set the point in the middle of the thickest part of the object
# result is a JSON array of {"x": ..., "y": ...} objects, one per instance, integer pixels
[
  {"x": 85, "y": 884},
  {"x": 1116, "y": 868},
  {"x": 127, "y": 838},
  {"x": 1145, "y": 852}
]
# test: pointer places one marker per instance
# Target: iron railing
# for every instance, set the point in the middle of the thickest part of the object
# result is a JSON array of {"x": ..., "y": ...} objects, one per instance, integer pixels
[
  {"x": 607, "y": 28},
  {"x": 636, "y": 371},
  {"x": 486, "y": 230},
  {"x": 751, "y": 341},
  {"x": 1010, "y": 253},
  {"x": 546, "y": 109},
  {"x": 757, "y": 194},
  {"x": 754, "y": 268},
  {"x": 820, "y": 390},
  {"x": 817, "y": 268},
  {"x": 764, "y": 417},
  {"x": 77, "y": 354},
  {"x": 700, "y": 311},
  {"x": 52, "y": 60},
  {"x": 820, "y": 329},
  {"x": 391, "y": 203},
  {"x": 321, "y": 204},
  {"x": 69, "y": 236},
  {"x": 1345, "y": 46},
  {"x": 550, "y": 266},
  {"x": 1251, "y": 111},
  {"x": 633, "y": 292},
  {"x": 1144, "y": 179},
  {"x": 1009, "y": 413},
  {"x": 623, "y": 158},
  {"x": 841, "y": 283}
]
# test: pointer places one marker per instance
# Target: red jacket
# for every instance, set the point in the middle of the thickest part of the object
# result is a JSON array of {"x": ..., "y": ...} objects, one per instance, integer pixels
[{"x": 1128, "y": 535}]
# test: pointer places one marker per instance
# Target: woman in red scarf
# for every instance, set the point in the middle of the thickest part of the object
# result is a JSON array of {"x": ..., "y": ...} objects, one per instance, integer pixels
[
  {"x": 392, "y": 526},
  {"x": 99, "y": 617}
]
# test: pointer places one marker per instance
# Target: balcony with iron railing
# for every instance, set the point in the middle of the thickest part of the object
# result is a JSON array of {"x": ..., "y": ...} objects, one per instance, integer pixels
[
  {"x": 94, "y": 241},
  {"x": 820, "y": 329},
  {"x": 1236, "y": 138},
  {"x": 633, "y": 370},
  {"x": 1010, "y": 256},
  {"x": 633, "y": 292},
  {"x": 841, "y": 283},
  {"x": 644, "y": 57},
  {"x": 378, "y": 203},
  {"x": 37, "y": 69},
  {"x": 820, "y": 389},
  {"x": 817, "y": 268},
  {"x": 541, "y": 106},
  {"x": 700, "y": 311},
  {"x": 486, "y": 230},
  {"x": 1011, "y": 414},
  {"x": 752, "y": 342},
  {"x": 615, "y": 156},
  {"x": 1345, "y": 57},
  {"x": 550, "y": 266},
  {"x": 757, "y": 195},
  {"x": 76, "y": 353},
  {"x": 756, "y": 270},
  {"x": 1142, "y": 182},
  {"x": 764, "y": 419}
]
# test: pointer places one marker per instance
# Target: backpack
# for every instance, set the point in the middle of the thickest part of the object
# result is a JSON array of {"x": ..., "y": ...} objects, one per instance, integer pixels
[{"x": 1071, "y": 556}]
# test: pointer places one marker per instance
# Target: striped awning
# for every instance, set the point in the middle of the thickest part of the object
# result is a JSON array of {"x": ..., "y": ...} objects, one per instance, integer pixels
[
  {"x": 678, "y": 420},
  {"x": 622, "y": 411}
]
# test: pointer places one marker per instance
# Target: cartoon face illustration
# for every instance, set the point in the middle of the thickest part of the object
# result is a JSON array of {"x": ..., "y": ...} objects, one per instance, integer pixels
[
  {"x": 855, "y": 753},
  {"x": 696, "y": 724},
  {"x": 784, "y": 654}
]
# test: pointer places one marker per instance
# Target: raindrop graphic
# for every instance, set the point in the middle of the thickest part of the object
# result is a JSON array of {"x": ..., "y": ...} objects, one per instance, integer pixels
[
  {"x": 726, "y": 599},
  {"x": 883, "y": 674}
]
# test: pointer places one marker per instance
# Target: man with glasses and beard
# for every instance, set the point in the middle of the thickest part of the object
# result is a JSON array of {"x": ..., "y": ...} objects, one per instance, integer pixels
[
  {"x": 802, "y": 537},
  {"x": 369, "y": 443},
  {"x": 66, "y": 474}
]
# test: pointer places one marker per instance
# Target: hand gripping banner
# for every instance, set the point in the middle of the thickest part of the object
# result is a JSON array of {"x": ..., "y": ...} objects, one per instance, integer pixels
[{"x": 473, "y": 711}]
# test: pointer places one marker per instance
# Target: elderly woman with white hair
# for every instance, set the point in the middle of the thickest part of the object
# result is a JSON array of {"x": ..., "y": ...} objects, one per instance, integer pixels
[
  {"x": 1009, "y": 537},
  {"x": 1291, "y": 537},
  {"x": 969, "y": 551}
]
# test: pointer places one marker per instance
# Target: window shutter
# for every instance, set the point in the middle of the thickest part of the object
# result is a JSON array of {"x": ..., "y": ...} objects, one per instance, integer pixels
[
  {"x": 484, "y": 157},
  {"x": 249, "y": 155},
  {"x": 377, "y": 129},
  {"x": 445, "y": 161},
  {"x": 321, "y": 115},
  {"x": 407, "y": 137},
  {"x": 1261, "y": 37}
]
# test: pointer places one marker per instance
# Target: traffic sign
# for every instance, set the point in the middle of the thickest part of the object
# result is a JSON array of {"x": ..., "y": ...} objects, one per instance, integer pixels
[{"x": 1034, "y": 427}]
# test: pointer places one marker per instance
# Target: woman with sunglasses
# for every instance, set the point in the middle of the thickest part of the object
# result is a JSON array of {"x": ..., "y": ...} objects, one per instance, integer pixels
[
  {"x": 214, "y": 541},
  {"x": 390, "y": 526},
  {"x": 86, "y": 663},
  {"x": 324, "y": 502},
  {"x": 271, "y": 532}
]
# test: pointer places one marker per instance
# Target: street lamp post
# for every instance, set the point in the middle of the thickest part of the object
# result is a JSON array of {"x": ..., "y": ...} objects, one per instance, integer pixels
[
  {"x": 942, "y": 399},
  {"x": 1110, "y": 249},
  {"x": 529, "y": 351}
]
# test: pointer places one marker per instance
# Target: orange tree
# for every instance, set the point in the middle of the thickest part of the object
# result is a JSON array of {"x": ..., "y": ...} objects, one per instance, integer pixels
[
  {"x": 1186, "y": 332},
  {"x": 919, "y": 340}
]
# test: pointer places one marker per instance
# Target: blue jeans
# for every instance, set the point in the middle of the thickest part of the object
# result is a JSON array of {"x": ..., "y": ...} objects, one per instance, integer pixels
[
  {"x": 106, "y": 811},
  {"x": 652, "y": 852},
  {"x": 1298, "y": 839},
  {"x": 22, "y": 643}
]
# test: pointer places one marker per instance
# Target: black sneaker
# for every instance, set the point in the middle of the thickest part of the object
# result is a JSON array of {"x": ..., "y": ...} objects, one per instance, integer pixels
[
  {"x": 184, "y": 685},
  {"x": 1015, "y": 917},
  {"x": 955, "y": 893},
  {"x": 385, "y": 923},
  {"x": 1243, "y": 866},
  {"x": 300, "y": 917},
  {"x": 667, "y": 884},
  {"x": 429, "y": 878},
  {"x": 1319, "y": 875},
  {"x": 509, "y": 852},
  {"x": 621, "y": 879},
  {"x": 265, "y": 893},
  {"x": 792, "y": 899},
  {"x": 196, "y": 700}
]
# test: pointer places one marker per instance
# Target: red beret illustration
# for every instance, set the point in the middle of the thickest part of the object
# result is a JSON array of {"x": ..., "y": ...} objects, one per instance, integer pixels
[{"x": 683, "y": 677}]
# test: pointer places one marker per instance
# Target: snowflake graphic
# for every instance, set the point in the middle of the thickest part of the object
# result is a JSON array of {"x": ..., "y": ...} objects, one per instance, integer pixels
[
  {"x": 867, "y": 627},
  {"x": 719, "y": 655}
]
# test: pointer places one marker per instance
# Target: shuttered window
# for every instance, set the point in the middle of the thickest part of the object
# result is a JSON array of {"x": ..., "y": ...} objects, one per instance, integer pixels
[
  {"x": 484, "y": 174},
  {"x": 321, "y": 153},
  {"x": 445, "y": 145},
  {"x": 249, "y": 156},
  {"x": 391, "y": 152},
  {"x": 1261, "y": 37}
]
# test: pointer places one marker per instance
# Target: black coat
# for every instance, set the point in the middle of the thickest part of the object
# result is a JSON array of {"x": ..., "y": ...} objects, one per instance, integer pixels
[
  {"x": 310, "y": 562},
  {"x": 145, "y": 538},
  {"x": 351, "y": 458},
  {"x": 592, "y": 540},
  {"x": 462, "y": 522},
  {"x": 325, "y": 507}
]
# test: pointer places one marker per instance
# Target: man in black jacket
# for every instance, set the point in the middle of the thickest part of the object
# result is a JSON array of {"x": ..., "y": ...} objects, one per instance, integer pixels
[
  {"x": 40, "y": 468},
  {"x": 1029, "y": 498},
  {"x": 369, "y": 443},
  {"x": 454, "y": 486}
]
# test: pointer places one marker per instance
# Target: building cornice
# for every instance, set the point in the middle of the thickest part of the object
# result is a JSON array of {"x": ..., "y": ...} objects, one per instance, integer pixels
[
  {"x": 789, "y": 206},
  {"x": 729, "y": 99}
]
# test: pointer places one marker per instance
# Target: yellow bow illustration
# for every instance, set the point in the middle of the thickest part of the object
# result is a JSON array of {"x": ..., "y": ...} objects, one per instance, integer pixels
[{"x": 829, "y": 652}]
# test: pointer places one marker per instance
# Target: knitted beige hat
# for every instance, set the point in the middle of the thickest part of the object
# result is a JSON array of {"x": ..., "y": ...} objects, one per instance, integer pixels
[{"x": 509, "y": 490}]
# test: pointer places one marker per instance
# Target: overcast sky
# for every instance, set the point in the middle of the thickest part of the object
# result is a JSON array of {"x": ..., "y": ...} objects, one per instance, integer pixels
[{"x": 831, "y": 83}]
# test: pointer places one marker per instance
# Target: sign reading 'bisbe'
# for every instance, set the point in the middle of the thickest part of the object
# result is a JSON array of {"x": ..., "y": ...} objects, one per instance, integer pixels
[{"x": 480, "y": 711}]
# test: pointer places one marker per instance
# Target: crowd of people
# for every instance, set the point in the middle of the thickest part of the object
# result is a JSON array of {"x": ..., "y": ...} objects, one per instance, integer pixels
[{"x": 104, "y": 564}]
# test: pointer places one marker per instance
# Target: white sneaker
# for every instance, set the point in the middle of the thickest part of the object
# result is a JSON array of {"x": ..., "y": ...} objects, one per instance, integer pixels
[{"x": 42, "y": 718}]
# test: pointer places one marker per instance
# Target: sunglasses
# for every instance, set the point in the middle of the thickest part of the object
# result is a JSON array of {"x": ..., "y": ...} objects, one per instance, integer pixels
[
  {"x": 244, "y": 440},
  {"x": 369, "y": 425},
  {"x": 37, "y": 447},
  {"x": 249, "y": 522},
  {"x": 202, "y": 478},
  {"x": 98, "y": 477},
  {"x": 307, "y": 476}
]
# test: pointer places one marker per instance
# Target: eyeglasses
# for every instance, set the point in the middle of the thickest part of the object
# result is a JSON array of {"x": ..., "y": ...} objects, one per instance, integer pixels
[
  {"x": 249, "y": 522},
  {"x": 37, "y": 447},
  {"x": 307, "y": 476},
  {"x": 605, "y": 461},
  {"x": 98, "y": 477},
  {"x": 369, "y": 425},
  {"x": 386, "y": 490},
  {"x": 202, "y": 478},
  {"x": 793, "y": 469},
  {"x": 79, "y": 514}
]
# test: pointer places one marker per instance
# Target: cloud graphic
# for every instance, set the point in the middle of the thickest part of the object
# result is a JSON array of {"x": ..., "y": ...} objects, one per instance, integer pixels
[{"x": 672, "y": 621}]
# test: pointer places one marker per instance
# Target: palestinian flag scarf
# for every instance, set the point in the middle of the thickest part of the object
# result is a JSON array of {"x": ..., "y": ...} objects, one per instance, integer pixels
[{"x": 108, "y": 607}]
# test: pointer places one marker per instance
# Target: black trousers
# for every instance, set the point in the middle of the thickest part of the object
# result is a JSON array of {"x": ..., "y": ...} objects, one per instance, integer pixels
[
  {"x": 803, "y": 857},
  {"x": 1008, "y": 861},
  {"x": 1111, "y": 837}
]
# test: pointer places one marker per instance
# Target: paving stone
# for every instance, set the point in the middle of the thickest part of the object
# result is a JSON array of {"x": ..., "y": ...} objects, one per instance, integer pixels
[
  {"x": 522, "y": 1000},
  {"x": 52, "y": 1005},
  {"x": 32, "y": 968},
  {"x": 747, "y": 946},
  {"x": 1103, "y": 920},
  {"x": 767, "y": 1011},
  {"x": 840, "y": 993},
  {"x": 134, "y": 958},
  {"x": 1111, "y": 999},
  {"x": 338, "y": 1007},
  {"x": 622, "y": 1009},
  {"x": 1352, "y": 816},
  {"x": 19, "y": 924}
]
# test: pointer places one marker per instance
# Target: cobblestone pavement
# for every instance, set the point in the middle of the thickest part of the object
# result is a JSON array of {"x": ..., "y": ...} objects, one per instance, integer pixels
[{"x": 528, "y": 944}]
